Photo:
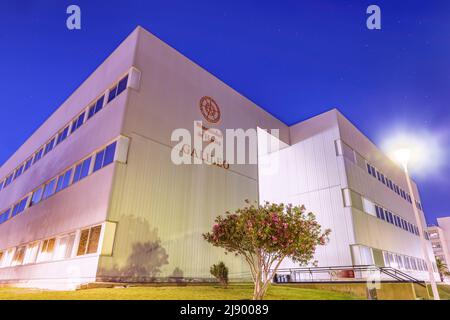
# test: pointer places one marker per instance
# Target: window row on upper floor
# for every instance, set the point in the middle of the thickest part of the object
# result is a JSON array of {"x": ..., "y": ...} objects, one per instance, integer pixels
[
  {"x": 384, "y": 214},
  {"x": 396, "y": 220},
  {"x": 371, "y": 170},
  {"x": 67, "y": 130},
  {"x": 349, "y": 153},
  {"x": 77, "y": 172},
  {"x": 65, "y": 246}
]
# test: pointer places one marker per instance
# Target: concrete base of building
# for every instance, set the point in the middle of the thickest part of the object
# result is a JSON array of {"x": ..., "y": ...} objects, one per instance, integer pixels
[{"x": 385, "y": 291}]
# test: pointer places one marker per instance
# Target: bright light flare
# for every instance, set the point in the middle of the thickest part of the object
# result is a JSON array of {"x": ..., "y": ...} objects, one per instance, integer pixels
[{"x": 422, "y": 151}]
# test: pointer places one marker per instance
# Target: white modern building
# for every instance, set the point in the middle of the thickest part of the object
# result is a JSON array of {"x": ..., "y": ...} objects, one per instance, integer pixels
[
  {"x": 93, "y": 194},
  {"x": 440, "y": 240}
]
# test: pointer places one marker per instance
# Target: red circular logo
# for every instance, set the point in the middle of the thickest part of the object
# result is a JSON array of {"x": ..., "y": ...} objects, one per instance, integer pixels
[{"x": 210, "y": 110}]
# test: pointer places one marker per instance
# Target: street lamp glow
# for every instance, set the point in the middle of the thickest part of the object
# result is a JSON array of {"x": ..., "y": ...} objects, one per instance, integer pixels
[
  {"x": 403, "y": 156},
  {"x": 421, "y": 150}
]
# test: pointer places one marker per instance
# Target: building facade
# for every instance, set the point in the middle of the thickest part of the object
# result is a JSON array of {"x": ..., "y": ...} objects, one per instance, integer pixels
[
  {"x": 94, "y": 195},
  {"x": 440, "y": 240}
]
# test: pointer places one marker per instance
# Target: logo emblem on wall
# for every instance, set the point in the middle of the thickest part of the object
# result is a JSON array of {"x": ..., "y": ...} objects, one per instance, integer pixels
[{"x": 209, "y": 109}]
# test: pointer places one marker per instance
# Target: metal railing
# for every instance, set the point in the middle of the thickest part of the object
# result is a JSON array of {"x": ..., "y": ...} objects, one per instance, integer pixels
[{"x": 356, "y": 273}]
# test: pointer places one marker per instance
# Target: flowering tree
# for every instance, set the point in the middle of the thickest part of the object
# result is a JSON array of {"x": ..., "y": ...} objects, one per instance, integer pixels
[{"x": 266, "y": 234}]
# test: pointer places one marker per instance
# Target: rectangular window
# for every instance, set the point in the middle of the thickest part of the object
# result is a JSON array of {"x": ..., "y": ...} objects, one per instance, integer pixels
[
  {"x": 18, "y": 172},
  {"x": 407, "y": 263},
  {"x": 94, "y": 237},
  {"x": 5, "y": 215},
  {"x": 391, "y": 218},
  {"x": 85, "y": 169},
  {"x": 369, "y": 169},
  {"x": 63, "y": 180},
  {"x": 374, "y": 172},
  {"x": 91, "y": 111},
  {"x": 96, "y": 107},
  {"x": 19, "y": 207},
  {"x": 99, "y": 104},
  {"x": 82, "y": 170},
  {"x": 46, "y": 250},
  {"x": 49, "y": 146},
  {"x": 377, "y": 209},
  {"x": 62, "y": 135},
  {"x": 78, "y": 122},
  {"x": 105, "y": 156},
  {"x": 31, "y": 253},
  {"x": 109, "y": 154},
  {"x": 37, "y": 196},
  {"x": 382, "y": 214},
  {"x": 399, "y": 261},
  {"x": 89, "y": 239},
  {"x": 112, "y": 93},
  {"x": 49, "y": 189},
  {"x": 8, "y": 180},
  {"x": 64, "y": 247},
  {"x": 38, "y": 156},
  {"x": 122, "y": 85},
  {"x": 18, "y": 256},
  {"x": 27, "y": 164},
  {"x": 99, "y": 160},
  {"x": 118, "y": 89},
  {"x": 67, "y": 177}
]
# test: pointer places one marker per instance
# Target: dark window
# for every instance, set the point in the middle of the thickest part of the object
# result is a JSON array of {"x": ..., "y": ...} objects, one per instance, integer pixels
[
  {"x": 76, "y": 175},
  {"x": 91, "y": 111},
  {"x": 377, "y": 209},
  {"x": 122, "y": 85},
  {"x": 5, "y": 215},
  {"x": 1, "y": 185},
  {"x": 109, "y": 154},
  {"x": 18, "y": 172},
  {"x": 78, "y": 122},
  {"x": 59, "y": 183},
  {"x": 62, "y": 135},
  {"x": 99, "y": 160},
  {"x": 27, "y": 164},
  {"x": 19, "y": 207},
  {"x": 81, "y": 170},
  {"x": 99, "y": 104},
  {"x": 112, "y": 93},
  {"x": 49, "y": 146},
  {"x": 391, "y": 218},
  {"x": 63, "y": 180},
  {"x": 382, "y": 214},
  {"x": 96, "y": 107},
  {"x": 8, "y": 180},
  {"x": 66, "y": 180},
  {"x": 369, "y": 169},
  {"x": 49, "y": 189},
  {"x": 373, "y": 172},
  {"x": 37, "y": 156},
  {"x": 85, "y": 170},
  {"x": 37, "y": 196}
]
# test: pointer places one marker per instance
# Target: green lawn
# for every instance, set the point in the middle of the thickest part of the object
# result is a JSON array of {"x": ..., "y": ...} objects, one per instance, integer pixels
[{"x": 233, "y": 292}]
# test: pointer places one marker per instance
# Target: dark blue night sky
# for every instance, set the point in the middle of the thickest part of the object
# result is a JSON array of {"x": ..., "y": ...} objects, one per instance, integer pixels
[{"x": 296, "y": 59}]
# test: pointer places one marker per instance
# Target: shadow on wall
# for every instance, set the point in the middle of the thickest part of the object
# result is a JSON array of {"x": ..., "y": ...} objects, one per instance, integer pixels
[{"x": 146, "y": 258}]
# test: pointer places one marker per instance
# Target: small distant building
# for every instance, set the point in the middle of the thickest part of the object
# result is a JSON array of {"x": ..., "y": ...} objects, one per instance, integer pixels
[{"x": 440, "y": 240}]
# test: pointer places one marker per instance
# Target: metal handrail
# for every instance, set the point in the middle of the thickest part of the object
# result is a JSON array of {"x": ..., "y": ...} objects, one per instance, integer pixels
[{"x": 393, "y": 273}]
